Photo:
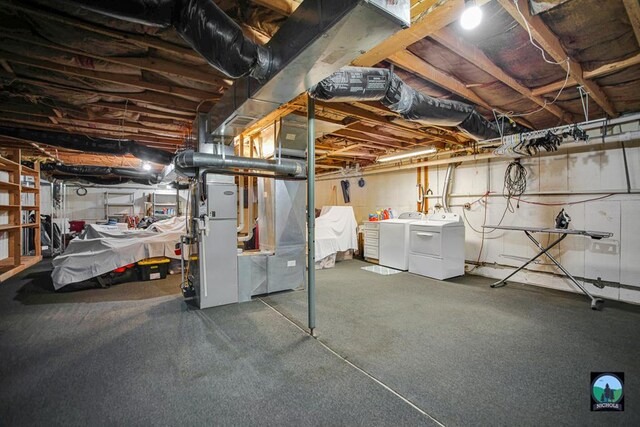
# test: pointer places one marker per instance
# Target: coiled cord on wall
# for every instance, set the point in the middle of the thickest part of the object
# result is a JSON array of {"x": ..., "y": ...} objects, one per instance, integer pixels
[{"x": 515, "y": 182}]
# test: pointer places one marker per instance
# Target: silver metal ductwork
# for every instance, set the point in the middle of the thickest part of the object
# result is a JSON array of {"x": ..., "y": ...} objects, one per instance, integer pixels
[
  {"x": 190, "y": 159},
  {"x": 319, "y": 38}
]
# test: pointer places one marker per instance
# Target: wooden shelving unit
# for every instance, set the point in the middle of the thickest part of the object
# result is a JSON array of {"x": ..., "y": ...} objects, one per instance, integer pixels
[{"x": 15, "y": 186}]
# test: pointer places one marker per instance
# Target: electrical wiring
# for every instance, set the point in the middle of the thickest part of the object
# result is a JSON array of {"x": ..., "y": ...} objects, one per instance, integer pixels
[
  {"x": 563, "y": 203},
  {"x": 515, "y": 182},
  {"x": 566, "y": 61},
  {"x": 526, "y": 24}
]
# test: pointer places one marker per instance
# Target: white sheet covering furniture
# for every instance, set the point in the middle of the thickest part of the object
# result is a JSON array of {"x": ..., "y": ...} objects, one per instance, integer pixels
[
  {"x": 336, "y": 231},
  {"x": 107, "y": 248}
]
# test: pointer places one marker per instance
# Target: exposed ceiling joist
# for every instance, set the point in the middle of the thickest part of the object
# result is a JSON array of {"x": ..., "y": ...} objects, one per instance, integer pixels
[
  {"x": 475, "y": 56},
  {"x": 137, "y": 39},
  {"x": 283, "y": 7},
  {"x": 156, "y": 142},
  {"x": 437, "y": 16},
  {"x": 113, "y": 127},
  {"x": 417, "y": 65},
  {"x": 550, "y": 43},
  {"x": 156, "y": 65},
  {"x": 359, "y": 136},
  {"x": 598, "y": 72},
  {"x": 142, "y": 114},
  {"x": 163, "y": 102},
  {"x": 633, "y": 11},
  {"x": 179, "y": 115},
  {"x": 120, "y": 79}
]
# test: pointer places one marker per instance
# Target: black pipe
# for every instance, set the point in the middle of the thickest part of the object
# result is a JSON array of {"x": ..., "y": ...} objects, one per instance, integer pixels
[
  {"x": 89, "y": 144},
  {"x": 351, "y": 84},
  {"x": 202, "y": 24},
  {"x": 100, "y": 171},
  {"x": 101, "y": 180}
]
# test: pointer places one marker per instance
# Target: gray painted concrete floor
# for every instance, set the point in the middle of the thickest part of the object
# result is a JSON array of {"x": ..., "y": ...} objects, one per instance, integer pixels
[
  {"x": 137, "y": 354},
  {"x": 470, "y": 355}
]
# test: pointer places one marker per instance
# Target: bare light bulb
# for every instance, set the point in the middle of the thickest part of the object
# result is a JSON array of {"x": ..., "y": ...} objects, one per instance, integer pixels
[
  {"x": 146, "y": 166},
  {"x": 471, "y": 18}
]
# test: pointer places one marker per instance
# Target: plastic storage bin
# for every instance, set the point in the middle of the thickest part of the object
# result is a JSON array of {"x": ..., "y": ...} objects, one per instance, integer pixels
[{"x": 153, "y": 268}]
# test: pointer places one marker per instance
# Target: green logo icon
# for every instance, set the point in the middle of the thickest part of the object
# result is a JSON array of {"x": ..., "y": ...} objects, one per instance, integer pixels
[{"x": 607, "y": 391}]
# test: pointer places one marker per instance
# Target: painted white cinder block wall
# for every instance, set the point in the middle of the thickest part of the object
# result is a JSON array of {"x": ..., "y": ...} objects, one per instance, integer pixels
[
  {"x": 90, "y": 207},
  {"x": 396, "y": 190},
  {"x": 587, "y": 175}
]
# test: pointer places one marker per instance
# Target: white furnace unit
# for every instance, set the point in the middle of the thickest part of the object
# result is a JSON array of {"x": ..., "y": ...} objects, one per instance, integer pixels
[
  {"x": 394, "y": 240},
  {"x": 436, "y": 246}
]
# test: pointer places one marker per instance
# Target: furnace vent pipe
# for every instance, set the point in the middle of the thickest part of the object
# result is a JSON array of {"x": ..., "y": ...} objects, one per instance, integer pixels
[
  {"x": 446, "y": 191},
  {"x": 190, "y": 159},
  {"x": 202, "y": 24},
  {"x": 357, "y": 84}
]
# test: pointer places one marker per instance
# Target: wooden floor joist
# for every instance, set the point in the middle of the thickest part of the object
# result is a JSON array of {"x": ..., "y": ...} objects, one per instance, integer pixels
[
  {"x": 179, "y": 52},
  {"x": 476, "y": 57},
  {"x": 135, "y": 82},
  {"x": 550, "y": 43},
  {"x": 156, "y": 65}
]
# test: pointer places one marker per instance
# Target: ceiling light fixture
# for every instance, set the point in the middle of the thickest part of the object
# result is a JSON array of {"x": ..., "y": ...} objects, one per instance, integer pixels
[
  {"x": 472, "y": 15},
  {"x": 146, "y": 166},
  {"x": 406, "y": 154}
]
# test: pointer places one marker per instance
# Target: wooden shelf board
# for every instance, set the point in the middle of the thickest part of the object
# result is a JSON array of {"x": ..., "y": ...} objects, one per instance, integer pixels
[
  {"x": 9, "y": 186},
  {"x": 7, "y": 269},
  {"x": 8, "y": 168},
  {"x": 9, "y": 163},
  {"x": 26, "y": 189},
  {"x": 9, "y": 207},
  {"x": 28, "y": 171},
  {"x": 30, "y": 225},
  {"x": 29, "y": 207},
  {"x": 8, "y": 227}
]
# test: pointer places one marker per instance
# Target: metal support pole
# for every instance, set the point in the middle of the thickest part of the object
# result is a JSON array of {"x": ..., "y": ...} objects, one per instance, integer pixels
[
  {"x": 53, "y": 244},
  {"x": 311, "y": 213}
]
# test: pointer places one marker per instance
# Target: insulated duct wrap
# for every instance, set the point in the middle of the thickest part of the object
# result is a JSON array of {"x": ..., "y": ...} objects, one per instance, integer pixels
[
  {"x": 190, "y": 159},
  {"x": 357, "y": 84},
  {"x": 88, "y": 144},
  {"x": 100, "y": 180},
  {"x": 202, "y": 24},
  {"x": 87, "y": 171}
]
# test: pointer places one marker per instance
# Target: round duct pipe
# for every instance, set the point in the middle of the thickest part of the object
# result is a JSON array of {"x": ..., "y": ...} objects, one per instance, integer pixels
[{"x": 191, "y": 159}]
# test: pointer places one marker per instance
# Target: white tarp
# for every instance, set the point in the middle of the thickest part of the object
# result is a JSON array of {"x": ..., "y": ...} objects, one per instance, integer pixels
[
  {"x": 336, "y": 231},
  {"x": 90, "y": 257}
]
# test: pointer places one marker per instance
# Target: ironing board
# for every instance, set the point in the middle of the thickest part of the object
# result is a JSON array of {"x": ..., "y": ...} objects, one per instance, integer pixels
[{"x": 596, "y": 303}]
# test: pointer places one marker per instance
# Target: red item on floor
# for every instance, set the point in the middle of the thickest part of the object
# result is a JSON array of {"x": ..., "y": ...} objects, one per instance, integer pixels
[{"x": 76, "y": 226}]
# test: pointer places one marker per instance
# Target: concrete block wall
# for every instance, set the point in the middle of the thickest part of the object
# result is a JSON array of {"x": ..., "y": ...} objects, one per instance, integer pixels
[
  {"x": 555, "y": 181},
  {"x": 395, "y": 190},
  {"x": 578, "y": 182}
]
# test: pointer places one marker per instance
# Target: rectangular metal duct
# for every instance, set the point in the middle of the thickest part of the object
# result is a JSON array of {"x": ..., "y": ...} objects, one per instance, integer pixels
[{"x": 319, "y": 38}]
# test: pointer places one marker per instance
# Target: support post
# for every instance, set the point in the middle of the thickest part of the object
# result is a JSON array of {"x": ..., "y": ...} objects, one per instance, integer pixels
[{"x": 311, "y": 211}]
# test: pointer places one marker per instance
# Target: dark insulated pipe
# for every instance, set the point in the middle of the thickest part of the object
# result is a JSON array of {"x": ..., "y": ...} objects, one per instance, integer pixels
[
  {"x": 378, "y": 84},
  {"x": 202, "y": 24},
  {"x": 92, "y": 145},
  {"x": 101, "y": 171}
]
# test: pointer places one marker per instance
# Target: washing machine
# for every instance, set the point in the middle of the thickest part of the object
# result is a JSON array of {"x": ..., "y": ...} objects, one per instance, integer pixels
[
  {"x": 436, "y": 246},
  {"x": 394, "y": 240}
]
